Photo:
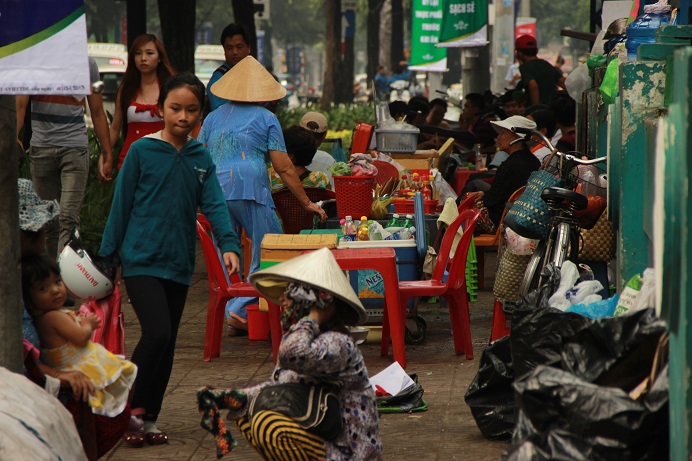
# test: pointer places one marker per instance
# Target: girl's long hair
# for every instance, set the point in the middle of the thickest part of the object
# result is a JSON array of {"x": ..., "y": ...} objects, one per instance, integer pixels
[{"x": 133, "y": 77}]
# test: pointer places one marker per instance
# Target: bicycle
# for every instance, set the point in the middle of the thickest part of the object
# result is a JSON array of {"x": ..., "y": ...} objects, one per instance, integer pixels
[{"x": 563, "y": 241}]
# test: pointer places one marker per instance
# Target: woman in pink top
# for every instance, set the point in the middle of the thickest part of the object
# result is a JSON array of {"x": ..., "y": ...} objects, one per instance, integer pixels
[{"x": 147, "y": 68}]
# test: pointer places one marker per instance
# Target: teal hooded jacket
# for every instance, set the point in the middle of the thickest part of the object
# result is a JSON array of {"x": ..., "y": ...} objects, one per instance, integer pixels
[{"x": 152, "y": 222}]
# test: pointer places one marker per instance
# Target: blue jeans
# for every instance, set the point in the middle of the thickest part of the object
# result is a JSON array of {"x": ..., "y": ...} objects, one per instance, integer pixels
[
  {"x": 60, "y": 173},
  {"x": 257, "y": 220}
]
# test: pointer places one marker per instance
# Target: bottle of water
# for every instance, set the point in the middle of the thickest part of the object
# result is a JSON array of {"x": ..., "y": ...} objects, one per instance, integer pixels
[{"x": 643, "y": 29}]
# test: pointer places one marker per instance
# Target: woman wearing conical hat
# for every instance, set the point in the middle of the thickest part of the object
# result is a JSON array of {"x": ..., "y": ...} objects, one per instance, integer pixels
[
  {"x": 318, "y": 307},
  {"x": 242, "y": 136}
]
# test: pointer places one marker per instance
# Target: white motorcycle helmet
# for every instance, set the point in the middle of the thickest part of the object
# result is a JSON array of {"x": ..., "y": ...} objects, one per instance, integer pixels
[{"x": 79, "y": 274}]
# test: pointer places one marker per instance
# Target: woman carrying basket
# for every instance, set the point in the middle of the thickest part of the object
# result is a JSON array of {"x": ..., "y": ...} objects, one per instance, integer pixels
[{"x": 512, "y": 174}]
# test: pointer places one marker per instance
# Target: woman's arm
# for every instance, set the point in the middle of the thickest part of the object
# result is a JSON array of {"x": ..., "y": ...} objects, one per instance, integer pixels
[
  {"x": 287, "y": 172},
  {"x": 79, "y": 382},
  {"x": 304, "y": 350}
]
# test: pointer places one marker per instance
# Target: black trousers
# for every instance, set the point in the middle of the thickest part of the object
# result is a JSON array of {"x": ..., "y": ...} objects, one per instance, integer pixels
[{"x": 159, "y": 306}]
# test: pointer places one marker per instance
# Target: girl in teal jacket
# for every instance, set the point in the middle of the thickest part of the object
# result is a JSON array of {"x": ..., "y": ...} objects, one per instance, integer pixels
[{"x": 165, "y": 178}]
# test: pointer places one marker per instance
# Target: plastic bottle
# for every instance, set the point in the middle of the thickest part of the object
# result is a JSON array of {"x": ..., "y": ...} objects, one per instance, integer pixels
[
  {"x": 415, "y": 183},
  {"x": 431, "y": 181},
  {"x": 408, "y": 221},
  {"x": 349, "y": 228},
  {"x": 404, "y": 183},
  {"x": 643, "y": 29},
  {"x": 425, "y": 190},
  {"x": 480, "y": 158},
  {"x": 394, "y": 222}
]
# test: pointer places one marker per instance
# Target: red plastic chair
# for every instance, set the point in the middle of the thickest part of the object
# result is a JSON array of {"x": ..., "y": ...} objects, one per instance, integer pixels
[
  {"x": 292, "y": 214},
  {"x": 499, "y": 327},
  {"x": 453, "y": 289},
  {"x": 385, "y": 171},
  {"x": 221, "y": 289}
]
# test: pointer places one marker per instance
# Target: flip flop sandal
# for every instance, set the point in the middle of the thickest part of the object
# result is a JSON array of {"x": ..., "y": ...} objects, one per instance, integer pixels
[
  {"x": 134, "y": 439},
  {"x": 156, "y": 438}
]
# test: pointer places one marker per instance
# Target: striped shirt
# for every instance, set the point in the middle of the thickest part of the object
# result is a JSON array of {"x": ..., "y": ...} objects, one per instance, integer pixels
[{"x": 58, "y": 121}]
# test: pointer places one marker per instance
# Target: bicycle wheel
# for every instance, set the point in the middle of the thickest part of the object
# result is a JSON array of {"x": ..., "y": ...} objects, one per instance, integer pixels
[{"x": 533, "y": 270}]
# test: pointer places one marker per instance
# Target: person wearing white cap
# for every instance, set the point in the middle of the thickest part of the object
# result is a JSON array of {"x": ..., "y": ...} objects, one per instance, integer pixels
[
  {"x": 242, "y": 136},
  {"x": 512, "y": 174},
  {"x": 318, "y": 306},
  {"x": 316, "y": 124}
]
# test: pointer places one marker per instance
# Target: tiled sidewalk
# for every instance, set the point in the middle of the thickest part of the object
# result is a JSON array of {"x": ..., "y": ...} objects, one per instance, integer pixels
[{"x": 445, "y": 432}]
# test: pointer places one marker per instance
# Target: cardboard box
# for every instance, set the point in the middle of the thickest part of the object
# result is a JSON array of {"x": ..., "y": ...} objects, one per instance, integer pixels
[
  {"x": 280, "y": 247},
  {"x": 421, "y": 160}
]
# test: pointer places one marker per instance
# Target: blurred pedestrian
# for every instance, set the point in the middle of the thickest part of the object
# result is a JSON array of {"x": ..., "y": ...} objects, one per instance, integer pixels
[
  {"x": 236, "y": 45},
  {"x": 538, "y": 77},
  {"x": 136, "y": 104},
  {"x": 59, "y": 153}
]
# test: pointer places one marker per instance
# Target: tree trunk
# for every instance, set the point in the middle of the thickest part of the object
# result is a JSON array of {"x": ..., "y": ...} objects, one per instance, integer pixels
[
  {"x": 10, "y": 298},
  {"x": 386, "y": 34},
  {"x": 136, "y": 20},
  {"x": 347, "y": 71},
  {"x": 332, "y": 50},
  {"x": 373, "y": 46},
  {"x": 244, "y": 14},
  {"x": 178, "y": 30},
  {"x": 397, "y": 44}
]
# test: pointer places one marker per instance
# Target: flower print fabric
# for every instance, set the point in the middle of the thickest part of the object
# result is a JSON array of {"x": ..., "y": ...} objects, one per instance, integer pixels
[{"x": 239, "y": 137}]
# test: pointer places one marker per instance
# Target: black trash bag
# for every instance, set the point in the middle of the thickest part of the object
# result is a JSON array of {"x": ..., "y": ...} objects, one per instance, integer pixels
[
  {"x": 563, "y": 417},
  {"x": 615, "y": 351},
  {"x": 538, "y": 330},
  {"x": 490, "y": 395},
  {"x": 407, "y": 401}
]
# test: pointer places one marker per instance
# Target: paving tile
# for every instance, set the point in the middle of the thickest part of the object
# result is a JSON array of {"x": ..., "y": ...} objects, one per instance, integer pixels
[{"x": 445, "y": 432}]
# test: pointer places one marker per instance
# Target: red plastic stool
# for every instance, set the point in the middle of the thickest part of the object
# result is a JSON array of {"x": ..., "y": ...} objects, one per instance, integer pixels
[{"x": 499, "y": 327}]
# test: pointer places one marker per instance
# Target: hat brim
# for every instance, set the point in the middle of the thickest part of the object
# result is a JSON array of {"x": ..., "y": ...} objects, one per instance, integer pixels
[
  {"x": 248, "y": 81},
  {"x": 318, "y": 269}
]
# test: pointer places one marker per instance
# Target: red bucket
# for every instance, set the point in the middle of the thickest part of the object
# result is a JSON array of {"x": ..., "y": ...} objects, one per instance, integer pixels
[
  {"x": 354, "y": 195},
  {"x": 257, "y": 323}
]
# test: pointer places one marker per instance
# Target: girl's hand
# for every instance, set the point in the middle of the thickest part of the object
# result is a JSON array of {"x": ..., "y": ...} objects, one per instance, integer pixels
[
  {"x": 232, "y": 262},
  {"x": 322, "y": 316},
  {"x": 93, "y": 320},
  {"x": 80, "y": 383}
]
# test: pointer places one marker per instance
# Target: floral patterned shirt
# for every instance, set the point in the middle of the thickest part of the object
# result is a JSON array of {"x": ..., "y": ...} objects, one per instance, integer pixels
[{"x": 308, "y": 356}]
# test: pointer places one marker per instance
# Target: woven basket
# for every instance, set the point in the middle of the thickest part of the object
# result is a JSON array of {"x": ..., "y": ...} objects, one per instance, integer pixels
[
  {"x": 354, "y": 195},
  {"x": 510, "y": 273}
]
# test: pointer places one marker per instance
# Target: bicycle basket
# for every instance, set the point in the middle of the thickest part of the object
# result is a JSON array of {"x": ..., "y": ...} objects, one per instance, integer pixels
[{"x": 589, "y": 184}]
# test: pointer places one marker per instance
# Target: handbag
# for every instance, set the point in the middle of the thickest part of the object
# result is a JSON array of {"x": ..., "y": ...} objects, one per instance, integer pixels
[
  {"x": 599, "y": 242},
  {"x": 314, "y": 407},
  {"x": 530, "y": 215},
  {"x": 510, "y": 273}
]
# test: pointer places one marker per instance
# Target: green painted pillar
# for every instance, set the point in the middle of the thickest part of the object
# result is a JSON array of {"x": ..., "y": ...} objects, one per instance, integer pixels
[
  {"x": 642, "y": 88},
  {"x": 673, "y": 263}
]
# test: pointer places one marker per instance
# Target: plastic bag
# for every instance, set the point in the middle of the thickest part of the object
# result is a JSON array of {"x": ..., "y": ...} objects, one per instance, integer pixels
[
  {"x": 490, "y": 396},
  {"x": 628, "y": 297},
  {"x": 578, "y": 81},
  {"x": 569, "y": 294},
  {"x": 597, "y": 310},
  {"x": 609, "y": 86},
  {"x": 564, "y": 417},
  {"x": 338, "y": 151},
  {"x": 519, "y": 245},
  {"x": 647, "y": 292},
  {"x": 407, "y": 401},
  {"x": 443, "y": 188}
]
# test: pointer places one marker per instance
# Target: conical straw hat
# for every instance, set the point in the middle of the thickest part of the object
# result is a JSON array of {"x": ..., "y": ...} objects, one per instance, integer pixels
[
  {"x": 248, "y": 81},
  {"x": 318, "y": 269}
]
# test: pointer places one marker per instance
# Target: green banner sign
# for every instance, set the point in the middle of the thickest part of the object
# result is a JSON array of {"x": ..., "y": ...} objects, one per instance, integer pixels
[
  {"x": 426, "y": 25},
  {"x": 464, "y": 23}
]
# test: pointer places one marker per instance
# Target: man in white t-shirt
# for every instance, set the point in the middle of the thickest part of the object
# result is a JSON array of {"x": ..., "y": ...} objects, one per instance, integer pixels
[{"x": 316, "y": 123}]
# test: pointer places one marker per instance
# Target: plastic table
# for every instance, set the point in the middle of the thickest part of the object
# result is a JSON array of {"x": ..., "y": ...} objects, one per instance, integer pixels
[{"x": 382, "y": 260}]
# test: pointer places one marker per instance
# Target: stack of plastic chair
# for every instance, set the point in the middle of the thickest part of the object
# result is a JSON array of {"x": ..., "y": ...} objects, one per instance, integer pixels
[{"x": 472, "y": 273}]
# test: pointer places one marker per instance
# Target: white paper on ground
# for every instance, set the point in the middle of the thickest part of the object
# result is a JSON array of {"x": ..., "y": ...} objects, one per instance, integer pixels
[{"x": 392, "y": 379}]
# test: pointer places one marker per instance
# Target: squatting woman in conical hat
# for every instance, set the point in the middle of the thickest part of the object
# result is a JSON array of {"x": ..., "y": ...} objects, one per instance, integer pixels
[
  {"x": 318, "y": 307},
  {"x": 242, "y": 136}
]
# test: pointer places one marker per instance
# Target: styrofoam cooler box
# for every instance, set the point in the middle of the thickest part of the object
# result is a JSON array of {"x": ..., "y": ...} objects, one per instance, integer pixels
[{"x": 369, "y": 284}]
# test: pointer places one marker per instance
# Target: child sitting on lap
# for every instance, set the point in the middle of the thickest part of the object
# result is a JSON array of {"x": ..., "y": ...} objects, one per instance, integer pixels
[{"x": 65, "y": 337}]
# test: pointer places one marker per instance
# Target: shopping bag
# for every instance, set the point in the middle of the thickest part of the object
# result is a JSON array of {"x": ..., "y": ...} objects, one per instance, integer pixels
[
  {"x": 599, "y": 242},
  {"x": 111, "y": 335},
  {"x": 530, "y": 215},
  {"x": 510, "y": 273}
]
